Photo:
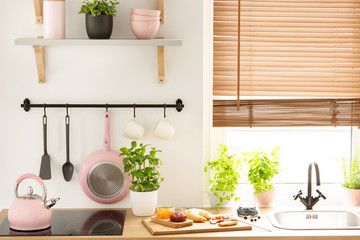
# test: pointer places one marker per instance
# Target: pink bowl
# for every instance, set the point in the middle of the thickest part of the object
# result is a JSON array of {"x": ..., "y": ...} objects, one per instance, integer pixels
[
  {"x": 147, "y": 12},
  {"x": 143, "y": 18},
  {"x": 145, "y": 29}
]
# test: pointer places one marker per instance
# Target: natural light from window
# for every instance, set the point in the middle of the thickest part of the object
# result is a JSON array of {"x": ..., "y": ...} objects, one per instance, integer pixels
[{"x": 299, "y": 147}]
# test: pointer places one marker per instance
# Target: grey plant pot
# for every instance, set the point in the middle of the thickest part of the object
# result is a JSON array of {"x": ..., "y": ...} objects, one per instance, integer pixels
[{"x": 99, "y": 27}]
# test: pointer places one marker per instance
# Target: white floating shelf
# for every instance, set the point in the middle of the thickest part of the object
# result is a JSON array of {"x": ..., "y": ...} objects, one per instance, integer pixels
[
  {"x": 40, "y": 43},
  {"x": 97, "y": 42}
]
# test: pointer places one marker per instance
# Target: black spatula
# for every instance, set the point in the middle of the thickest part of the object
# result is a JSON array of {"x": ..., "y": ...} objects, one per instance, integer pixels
[
  {"x": 67, "y": 168},
  {"x": 45, "y": 169}
]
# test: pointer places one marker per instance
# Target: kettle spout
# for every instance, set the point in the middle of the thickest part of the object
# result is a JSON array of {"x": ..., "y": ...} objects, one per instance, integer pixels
[{"x": 51, "y": 202}]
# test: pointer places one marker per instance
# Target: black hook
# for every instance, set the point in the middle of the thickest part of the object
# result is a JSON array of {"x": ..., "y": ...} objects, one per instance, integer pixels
[
  {"x": 107, "y": 107},
  {"x": 44, "y": 109},
  {"x": 44, "y": 117},
  {"x": 164, "y": 110},
  {"x": 67, "y": 109},
  {"x": 134, "y": 110}
]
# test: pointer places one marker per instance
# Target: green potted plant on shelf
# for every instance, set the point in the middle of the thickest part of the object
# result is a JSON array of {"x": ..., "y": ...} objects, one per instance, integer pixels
[
  {"x": 224, "y": 176},
  {"x": 262, "y": 169},
  {"x": 351, "y": 179},
  {"x": 142, "y": 167},
  {"x": 99, "y": 17}
]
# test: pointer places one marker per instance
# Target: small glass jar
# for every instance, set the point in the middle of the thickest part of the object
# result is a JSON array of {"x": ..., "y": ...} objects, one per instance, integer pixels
[
  {"x": 247, "y": 210},
  {"x": 163, "y": 212},
  {"x": 181, "y": 210}
]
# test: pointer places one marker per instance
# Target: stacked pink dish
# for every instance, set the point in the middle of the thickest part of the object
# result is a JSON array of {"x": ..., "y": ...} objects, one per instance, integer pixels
[{"x": 144, "y": 23}]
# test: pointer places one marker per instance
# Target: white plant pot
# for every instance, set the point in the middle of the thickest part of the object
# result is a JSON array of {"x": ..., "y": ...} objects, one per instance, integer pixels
[{"x": 143, "y": 203}]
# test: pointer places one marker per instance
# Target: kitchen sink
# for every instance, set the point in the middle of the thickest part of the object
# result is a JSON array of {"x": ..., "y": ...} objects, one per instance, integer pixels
[{"x": 315, "y": 219}]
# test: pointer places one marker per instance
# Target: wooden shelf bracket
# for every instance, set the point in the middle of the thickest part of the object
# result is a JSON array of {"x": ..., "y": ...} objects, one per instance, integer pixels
[
  {"x": 40, "y": 62},
  {"x": 161, "y": 65},
  {"x": 39, "y": 50},
  {"x": 38, "y": 6},
  {"x": 160, "y": 6}
]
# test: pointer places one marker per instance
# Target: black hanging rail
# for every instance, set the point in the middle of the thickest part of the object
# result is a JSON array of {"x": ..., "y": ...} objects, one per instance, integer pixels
[{"x": 27, "y": 105}]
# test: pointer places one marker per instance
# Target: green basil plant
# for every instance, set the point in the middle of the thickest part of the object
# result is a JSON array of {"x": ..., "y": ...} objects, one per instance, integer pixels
[
  {"x": 98, "y": 7},
  {"x": 142, "y": 167},
  {"x": 262, "y": 168}
]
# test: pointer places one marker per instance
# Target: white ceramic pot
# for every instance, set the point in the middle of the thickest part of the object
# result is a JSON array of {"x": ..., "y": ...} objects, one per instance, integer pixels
[
  {"x": 265, "y": 199},
  {"x": 351, "y": 197},
  {"x": 143, "y": 203}
]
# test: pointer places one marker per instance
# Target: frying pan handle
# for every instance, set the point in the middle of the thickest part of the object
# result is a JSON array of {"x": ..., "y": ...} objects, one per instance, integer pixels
[{"x": 107, "y": 132}]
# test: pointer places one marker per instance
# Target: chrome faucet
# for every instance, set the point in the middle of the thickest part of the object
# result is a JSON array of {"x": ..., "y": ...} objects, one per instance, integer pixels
[{"x": 309, "y": 201}]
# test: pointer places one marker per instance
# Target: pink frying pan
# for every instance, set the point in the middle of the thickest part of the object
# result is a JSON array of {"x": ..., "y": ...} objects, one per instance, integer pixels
[{"x": 102, "y": 175}]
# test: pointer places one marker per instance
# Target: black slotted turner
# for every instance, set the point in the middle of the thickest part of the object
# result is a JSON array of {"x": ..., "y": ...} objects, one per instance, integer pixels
[{"x": 45, "y": 168}]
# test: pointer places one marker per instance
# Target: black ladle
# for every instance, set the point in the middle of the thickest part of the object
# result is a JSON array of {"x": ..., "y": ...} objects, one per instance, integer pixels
[{"x": 67, "y": 168}]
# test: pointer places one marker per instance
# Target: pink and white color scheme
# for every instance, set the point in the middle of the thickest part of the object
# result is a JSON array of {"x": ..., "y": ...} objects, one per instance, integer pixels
[
  {"x": 29, "y": 213},
  {"x": 103, "y": 156},
  {"x": 144, "y": 23},
  {"x": 265, "y": 199},
  {"x": 54, "y": 19},
  {"x": 351, "y": 197},
  {"x": 146, "y": 12}
]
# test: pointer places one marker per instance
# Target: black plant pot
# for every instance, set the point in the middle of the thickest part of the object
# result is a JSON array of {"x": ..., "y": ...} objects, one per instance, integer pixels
[{"x": 99, "y": 27}]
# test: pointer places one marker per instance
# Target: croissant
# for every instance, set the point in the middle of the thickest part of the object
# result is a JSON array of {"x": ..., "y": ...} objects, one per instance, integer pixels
[{"x": 198, "y": 215}]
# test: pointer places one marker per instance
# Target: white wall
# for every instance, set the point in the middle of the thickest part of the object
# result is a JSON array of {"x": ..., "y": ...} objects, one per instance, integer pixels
[{"x": 117, "y": 74}]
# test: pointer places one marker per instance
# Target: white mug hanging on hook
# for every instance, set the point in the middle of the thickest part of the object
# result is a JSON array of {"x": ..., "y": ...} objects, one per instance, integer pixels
[
  {"x": 134, "y": 130},
  {"x": 164, "y": 129}
]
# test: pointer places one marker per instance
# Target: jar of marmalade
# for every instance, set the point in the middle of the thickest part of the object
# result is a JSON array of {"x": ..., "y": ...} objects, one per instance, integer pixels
[{"x": 163, "y": 212}]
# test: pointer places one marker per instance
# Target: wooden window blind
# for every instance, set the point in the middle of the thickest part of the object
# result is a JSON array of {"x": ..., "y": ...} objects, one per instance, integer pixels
[{"x": 296, "y": 59}]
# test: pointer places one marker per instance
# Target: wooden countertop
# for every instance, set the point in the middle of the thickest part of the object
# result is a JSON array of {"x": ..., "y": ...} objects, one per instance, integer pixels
[{"x": 135, "y": 230}]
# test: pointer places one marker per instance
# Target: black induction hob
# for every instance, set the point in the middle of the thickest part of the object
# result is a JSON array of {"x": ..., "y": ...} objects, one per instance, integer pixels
[{"x": 76, "y": 222}]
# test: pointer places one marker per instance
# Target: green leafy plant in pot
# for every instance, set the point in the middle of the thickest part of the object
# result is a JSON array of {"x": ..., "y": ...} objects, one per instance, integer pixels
[
  {"x": 351, "y": 179},
  {"x": 224, "y": 176},
  {"x": 262, "y": 169},
  {"x": 99, "y": 17},
  {"x": 142, "y": 167}
]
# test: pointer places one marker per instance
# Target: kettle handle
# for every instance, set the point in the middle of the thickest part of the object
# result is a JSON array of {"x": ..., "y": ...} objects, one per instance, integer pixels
[{"x": 36, "y": 178}]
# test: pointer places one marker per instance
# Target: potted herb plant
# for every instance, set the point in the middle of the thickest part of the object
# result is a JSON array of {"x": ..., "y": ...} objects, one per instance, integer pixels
[
  {"x": 142, "y": 167},
  {"x": 262, "y": 169},
  {"x": 224, "y": 176},
  {"x": 99, "y": 17},
  {"x": 351, "y": 179}
]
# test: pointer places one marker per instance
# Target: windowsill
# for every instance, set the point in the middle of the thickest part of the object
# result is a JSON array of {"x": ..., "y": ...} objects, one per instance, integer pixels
[{"x": 285, "y": 192}]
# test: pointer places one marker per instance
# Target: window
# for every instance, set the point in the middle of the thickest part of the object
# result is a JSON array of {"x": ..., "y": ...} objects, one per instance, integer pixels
[
  {"x": 299, "y": 147},
  {"x": 291, "y": 63},
  {"x": 287, "y": 73}
]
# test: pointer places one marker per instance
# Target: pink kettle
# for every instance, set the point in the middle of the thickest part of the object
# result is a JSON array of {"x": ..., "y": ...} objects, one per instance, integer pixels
[{"x": 30, "y": 212}]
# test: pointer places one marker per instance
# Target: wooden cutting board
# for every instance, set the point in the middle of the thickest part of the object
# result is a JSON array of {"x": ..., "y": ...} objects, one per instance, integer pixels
[
  {"x": 157, "y": 229},
  {"x": 167, "y": 222}
]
